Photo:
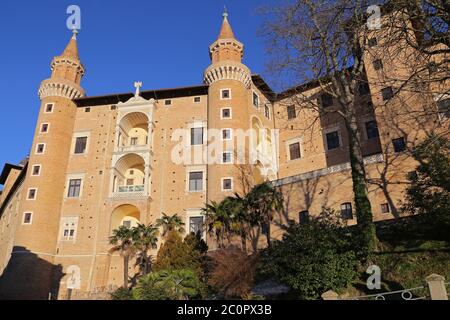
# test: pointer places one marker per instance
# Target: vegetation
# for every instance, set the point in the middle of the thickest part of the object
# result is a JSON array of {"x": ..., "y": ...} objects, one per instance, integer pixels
[
  {"x": 312, "y": 258},
  {"x": 429, "y": 192},
  {"x": 122, "y": 240},
  {"x": 170, "y": 223}
]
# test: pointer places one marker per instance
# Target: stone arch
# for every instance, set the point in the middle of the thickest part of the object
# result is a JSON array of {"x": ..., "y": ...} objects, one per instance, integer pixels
[{"x": 122, "y": 213}]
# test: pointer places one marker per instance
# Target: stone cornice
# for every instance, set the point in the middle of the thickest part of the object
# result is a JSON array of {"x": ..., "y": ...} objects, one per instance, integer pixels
[
  {"x": 68, "y": 61},
  {"x": 228, "y": 70},
  {"x": 60, "y": 88}
]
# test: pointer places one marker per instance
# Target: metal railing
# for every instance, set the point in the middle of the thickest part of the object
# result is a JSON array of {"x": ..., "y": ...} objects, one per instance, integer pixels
[
  {"x": 129, "y": 189},
  {"x": 416, "y": 293}
]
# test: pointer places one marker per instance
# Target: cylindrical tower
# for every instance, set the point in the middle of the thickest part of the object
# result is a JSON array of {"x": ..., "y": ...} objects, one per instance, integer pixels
[
  {"x": 32, "y": 273},
  {"x": 229, "y": 90}
]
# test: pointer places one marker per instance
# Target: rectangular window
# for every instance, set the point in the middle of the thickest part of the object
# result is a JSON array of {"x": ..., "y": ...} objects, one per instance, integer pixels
[
  {"x": 267, "y": 112},
  {"x": 74, "y": 188},
  {"x": 412, "y": 175},
  {"x": 40, "y": 148},
  {"x": 80, "y": 145},
  {"x": 227, "y": 184},
  {"x": 399, "y": 144},
  {"x": 134, "y": 141},
  {"x": 226, "y": 157},
  {"x": 371, "y": 129},
  {"x": 196, "y": 181},
  {"x": 49, "y": 108},
  {"x": 255, "y": 100},
  {"x": 225, "y": 94},
  {"x": 326, "y": 100},
  {"x": 294, "y": 151},
  {"x": 32, "y": 194},
  {"x": 196, "y": 224},
  {"x": 36, "y": 170},
  {"x": 363, "y": 89},
  {"x": 196, "y": 136},
  {"x": 385, "y": 208},
  {"x": 130, "y": 182},
  {"x": 44, "y": 128},
  {"x": 333, "y": 141},
  {"x": 127, "y": 224},
  {"x": 346, "y": 211},
  {"x": 372, "y": 42},
  {"x": 27, "y": 218},
  {"x": 377, "y": 64},
  {"x": 197, "y": 99},
  {"x": 226, "y": 113},
  {"x": 68, "y": 228},
  {"x": 444, "y": 109},
  {"x": 168, "y": 102},
  {"x": 226, "y": 134},
  {"x": 304, "y": 217},
  {"x": 87, "y": 109},
  {"x": 291, "y": 112},
  {"x": 387, "y": 93}
]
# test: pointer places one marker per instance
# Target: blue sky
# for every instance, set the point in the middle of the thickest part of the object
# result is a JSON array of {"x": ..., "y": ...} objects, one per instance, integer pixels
[{"x": 161, "y": 43}]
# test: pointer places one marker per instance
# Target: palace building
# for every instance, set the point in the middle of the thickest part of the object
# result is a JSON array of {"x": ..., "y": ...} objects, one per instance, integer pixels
[{"x": 98, "y": 162}]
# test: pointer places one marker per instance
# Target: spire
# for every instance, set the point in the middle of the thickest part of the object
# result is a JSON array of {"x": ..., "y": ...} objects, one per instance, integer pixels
[
  {"x": 226, "y": 32},
  {"x": 71, "y": 51}
]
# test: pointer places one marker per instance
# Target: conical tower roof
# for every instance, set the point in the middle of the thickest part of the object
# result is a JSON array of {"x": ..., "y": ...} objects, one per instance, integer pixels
[
  {"x": 71, "y": 51},
  {"x": 226, "y": 32}
]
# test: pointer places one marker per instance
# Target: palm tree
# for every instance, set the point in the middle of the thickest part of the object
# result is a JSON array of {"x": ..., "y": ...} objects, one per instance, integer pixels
[
  {"x": 122, "y": 240},
  {"x": 144, "y": 239},
  {"x": 170, "y": 223},
  {"x": 218, "y": 220},
  {"x": 182, "y": 284},
  {"x": 261, "y": 203}
]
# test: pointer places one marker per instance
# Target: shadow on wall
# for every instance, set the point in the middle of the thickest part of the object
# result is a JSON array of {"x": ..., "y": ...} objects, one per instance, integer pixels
[{"x": 29, "y": 277}]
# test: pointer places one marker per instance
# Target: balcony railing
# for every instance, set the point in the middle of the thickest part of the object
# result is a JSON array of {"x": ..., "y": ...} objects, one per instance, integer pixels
[{"x": 129, "y": 148}]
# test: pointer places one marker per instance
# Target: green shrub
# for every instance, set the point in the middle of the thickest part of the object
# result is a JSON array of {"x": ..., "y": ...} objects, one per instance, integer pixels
[
  {"x": 121, "y": 294},
  {"x": 312, "y": 258},
  {"x": 180, "y": 284}
]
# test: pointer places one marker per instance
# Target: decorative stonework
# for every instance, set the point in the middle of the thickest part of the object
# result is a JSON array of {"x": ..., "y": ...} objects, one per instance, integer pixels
[
  {"x": 60, "y": 88},
  {"x": 61, "y": 60},
  {"x": 228, "y": 71}
]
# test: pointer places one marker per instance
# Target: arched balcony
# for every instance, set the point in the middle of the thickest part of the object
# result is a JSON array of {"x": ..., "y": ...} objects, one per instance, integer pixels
[
  {"x": 125, "y": 215},
  {"x": 130, "y": 176},
  {"x": 132, "y": 132}
]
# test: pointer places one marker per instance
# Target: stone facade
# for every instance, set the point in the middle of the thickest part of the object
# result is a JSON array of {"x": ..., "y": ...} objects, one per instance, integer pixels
[{"x": 99, "y": 162}]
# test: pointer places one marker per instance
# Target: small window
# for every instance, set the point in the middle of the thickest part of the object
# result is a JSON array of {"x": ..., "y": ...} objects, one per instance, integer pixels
[
  {"x": 444, "y": 109},
  {"x": 412, "y": 175},
  {"x": 40, "y": 148},
  {"x": 44, "y": 128},
  {"x": 372, "y": 42},
  {"x": 69, "y": 226},
  {"x": 196, "y": 181},
  {"x": 326, "y": 100},
  {"x": 399, "y": 144},
  {"x": 377, "y": 64},
  {"x": 167, "y": 102},
  {"x": 226, "y": 134},
  {"x": 267, "y": 112},
  {"x": 363, "y": 89},
  {"x": 196, "y": 136},
  {"x": 371, "y": 129},
  {"x": 197, "y": 99},
  {"x": 291, "y": 112},
  {"x": 131, "y": 171},
  {"x": 80, "y": 145},
  {"x": 385, "y": 208},
  {"x": 27, "y": 217},
  {"x": 255, "y": 100},
  {"x": 134, "y": 141},
  {"x": 387, "y": 93},
  {"x": 432, "y": 67},
  {"x": 196, "y": 224},
  {"x": 127, "y": 224},
  {"x": 32, "y": 194},
  {"x": 87, "y": 109},
  {"x": 333, "y": 141},
  {"x": 303, "y": 217},
  {"x": 227, "y": 184},
  {"x": 36, "y": 170},
  {"x": 49, "y": 108},
  {"x": 130, "y": 182},
  {"x": 226, "y": 157},
  {"x": 113, "y": 107},
  {"x": 294, "y": 151},
  {"x": 225, "y": 94},
  {"x": 226, "y": 113},
  {"x": 265, "y": 229},
  {"x": 346, "y": 211},
  {"x": 74, "y": 188}
]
